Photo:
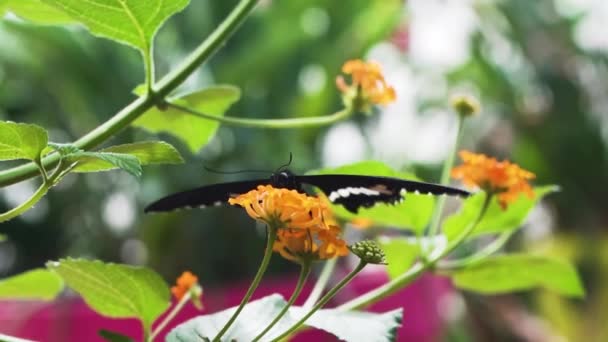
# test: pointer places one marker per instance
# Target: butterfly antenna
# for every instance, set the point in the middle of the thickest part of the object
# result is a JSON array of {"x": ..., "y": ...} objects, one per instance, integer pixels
[
  {"x": 288, "y": 163},
  {"x": 233, "y": 172}
]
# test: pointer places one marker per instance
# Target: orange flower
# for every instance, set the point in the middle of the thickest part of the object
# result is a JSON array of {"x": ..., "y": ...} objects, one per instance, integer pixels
[
  {"x": 184, "y": 283},
  {"x": 503, "y": 178},
  {"x": 331, "y": 244},
  {"x": 305, "y": 225},
  {"x": 284, "y": 208},
  {"x": 305, "y": 244},
  {"x": 368, "y": 84}
]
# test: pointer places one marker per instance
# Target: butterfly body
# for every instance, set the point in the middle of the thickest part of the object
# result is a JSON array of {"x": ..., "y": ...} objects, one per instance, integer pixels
[{"x": 351, "y": 191}]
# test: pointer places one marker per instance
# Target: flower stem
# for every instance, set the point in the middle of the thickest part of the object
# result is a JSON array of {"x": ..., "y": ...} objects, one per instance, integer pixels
[
  {"x": 469, "y": 229},
  {"x": 135, "y": 109},
  {"x": 271, "y": 237},
  {"x": 176, "y": 309},
  {"x": 304, "y": 272},
  {"x": 316, "y": 292},
  {"x": 488, "y": 250},
  {"x": 269, "y": 123},
  {"x": 445, "y": 178},
  {"x": 415, "y": 271},
  {"x": 329, "y": 295}
]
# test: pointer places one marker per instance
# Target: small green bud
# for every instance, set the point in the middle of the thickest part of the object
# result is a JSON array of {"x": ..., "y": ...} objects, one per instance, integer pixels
[
  {"x": 196, "y": 292},
  {"x": 368, "y": 251},
  {"x": 465, "y": 105}
]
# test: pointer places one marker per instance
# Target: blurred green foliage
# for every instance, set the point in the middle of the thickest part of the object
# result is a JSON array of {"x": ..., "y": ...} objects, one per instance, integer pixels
[{"x": 542, "y": 104}]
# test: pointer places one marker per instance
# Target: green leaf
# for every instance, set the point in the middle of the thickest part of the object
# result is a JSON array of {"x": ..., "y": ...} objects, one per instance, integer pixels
[
  {"x": 146, "y": 153},
  {"x": 195, "y": 131},
  {"x": 6, "y": 338},
  {"x": 496, "y": 219},
  {"x": 35, "y": 11},
  {"x": 3, "y": 237},
  {"x": 123, "y": 161},
  {"x": 37, "y": 284},
  {"x": 112, "y": 336},
  {"x": 64, "y": 149},
  {"x": 515, "y": 272},
  {"x": 401, "y": 253},
  {"x": 413, "y": 213},
  {"x": 21, "y": 141},
  {"x": 140, "y": 90},
  {"x": 113, "y": 290},
  {"x": 350, "y": 326},
  {"x": 132, "y": 22}
]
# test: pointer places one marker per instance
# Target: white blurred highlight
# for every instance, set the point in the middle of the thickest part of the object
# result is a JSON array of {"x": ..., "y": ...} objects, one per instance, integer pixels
[
  {"x": 440, "y": 32},
  {"x": 119, "y": 212}
]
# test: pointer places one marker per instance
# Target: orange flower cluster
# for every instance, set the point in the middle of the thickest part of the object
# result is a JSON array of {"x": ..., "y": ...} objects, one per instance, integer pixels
[
  {"x": 184, "y": 283},
  {"x": 299, "y": 244},
  {"x": 306, "y": 228},
  {"x": 505, "y": 179},
  {"x": 367, "y": 79}
]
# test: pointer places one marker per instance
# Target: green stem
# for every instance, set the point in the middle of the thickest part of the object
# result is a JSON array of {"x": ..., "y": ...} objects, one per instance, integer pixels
[
  {"x": 142, "y": 104},
  {"x": 271, "y": 237},
  {"x": 27, "y": 205},
  {"x": 270, "y": 123},
  {"x": 176, "y": 309},
  {"x": 415, "y": 271},
  {"x": 149, "y": 68},
  {"x": 469, "y": 229},
  {"x": 329, "y": 295},
  {"x": 304, "y": 272},
  {"x": 38, "y": 162},
  {"x": 445, "y": 178},
  {"x": 316, "y": 292},
  {"x": 48, "y": 182},
  {"x": 387, "y": 289},
  {"x": 488, "y": 250}
]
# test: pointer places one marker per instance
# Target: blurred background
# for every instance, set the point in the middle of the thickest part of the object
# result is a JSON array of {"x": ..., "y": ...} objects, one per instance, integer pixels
[{"x": 540, "y": 69}]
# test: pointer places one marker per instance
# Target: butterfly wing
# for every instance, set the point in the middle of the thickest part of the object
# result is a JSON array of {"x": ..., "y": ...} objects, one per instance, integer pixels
[
  {"x": 214, "y": 194},
  {"x": 354, "y": 191}
]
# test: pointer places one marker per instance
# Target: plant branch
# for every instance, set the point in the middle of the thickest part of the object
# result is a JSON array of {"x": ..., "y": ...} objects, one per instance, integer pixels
[
  {"x": 136, "y": 108},
  {"x": 329, "y": 295},
  {"x": 304, "y": 272},
  {"x": 149, "y": 68},
  {"x": 271, "y": 237},
  {"x": 269, "y": 123},
  {"x": 27, "y": 205},
  {"x": 445, "y": 178},
  {"x": 488, "y": 250},
  {"x": 415, "y": 271},
  {"x": 48, "y": 182},
  {"x": 316, "y": 292}
]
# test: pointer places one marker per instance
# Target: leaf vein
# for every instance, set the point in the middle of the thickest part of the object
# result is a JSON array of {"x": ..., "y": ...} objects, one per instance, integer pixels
[
  {"x": 102, "y": 5},
  {"x": 117, "y": 294},
  {"x": 78, "y": 14},
  {"x": 136, "y": 23}
]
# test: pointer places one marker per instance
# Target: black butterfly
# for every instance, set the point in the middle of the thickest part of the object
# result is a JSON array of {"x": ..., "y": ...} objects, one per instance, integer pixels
[{"x": 351, "y": 191}]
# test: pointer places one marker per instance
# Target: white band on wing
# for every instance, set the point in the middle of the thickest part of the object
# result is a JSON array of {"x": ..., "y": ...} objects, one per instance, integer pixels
[{"x": 343, "y": 193}]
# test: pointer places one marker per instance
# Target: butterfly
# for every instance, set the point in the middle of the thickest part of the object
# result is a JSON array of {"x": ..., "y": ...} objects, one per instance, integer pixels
[{"x": 351, "y": 191}]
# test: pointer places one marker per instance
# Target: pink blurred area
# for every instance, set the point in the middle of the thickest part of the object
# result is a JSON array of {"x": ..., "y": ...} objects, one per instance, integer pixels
[{"x": 69, "y": 319}]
